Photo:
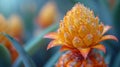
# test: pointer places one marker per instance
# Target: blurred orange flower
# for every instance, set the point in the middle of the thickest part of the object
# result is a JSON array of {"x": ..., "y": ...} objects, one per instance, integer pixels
[
  {"x": 16, "y": 26},
  {"x": 47, "y": 15},
  {"x": 13, "y": 28},
  {"x": 80, "y": 30}
]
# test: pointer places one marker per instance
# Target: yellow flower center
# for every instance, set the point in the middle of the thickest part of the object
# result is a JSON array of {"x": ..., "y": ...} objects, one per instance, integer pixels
[{"x": 80, "y": 28}]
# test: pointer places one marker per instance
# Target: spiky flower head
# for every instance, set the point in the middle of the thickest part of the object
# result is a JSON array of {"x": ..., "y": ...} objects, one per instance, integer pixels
[{"x": 80, "y": 30}]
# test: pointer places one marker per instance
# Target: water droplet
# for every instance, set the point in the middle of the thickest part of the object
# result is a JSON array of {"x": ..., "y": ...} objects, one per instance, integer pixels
[
  {"x": 98, "y": 32},
  {"x": 83, "y": 28},
  {"x": 94, "y": 24},
  {"x": 89, "y": 36},
  {"x": 88, "y": 20},
  {"x": 65, "y": 35}
]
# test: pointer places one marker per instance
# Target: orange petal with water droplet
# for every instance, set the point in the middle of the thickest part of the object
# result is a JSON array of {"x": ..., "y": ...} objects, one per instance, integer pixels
[
  {"x": 106, "y": 28},
  {"x": 84, "y": 52},
  {"x": 54, "y": 43},
  {"x": 108, "y": 37},
  {"x": 83, "y": 30},
  {"x": 52, "y": 35},
  {"x": 100, "y": 47},
  {"x": 77, "y": 42},
  {"x": 65, "y": 48},
  {"x": 88, "y": 39}
]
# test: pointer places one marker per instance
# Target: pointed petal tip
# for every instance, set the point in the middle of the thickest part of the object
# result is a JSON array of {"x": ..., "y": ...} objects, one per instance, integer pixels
[
  {"x": 108, "y": 37},
  {"x": 85, "y": 56},
  {"x": 48, "y": 48},
  {"x": 52, "y": 35},
  {"x": 106, "y": 28},
  {"x": 100, "y": 47},
  {"x": 54, "y": 43},
  {"x": 51, "y": 44},
  {"x": 46, "y": 36},
  {"x": 84, "y": 52},
  {"x": 116, "y": 39}
]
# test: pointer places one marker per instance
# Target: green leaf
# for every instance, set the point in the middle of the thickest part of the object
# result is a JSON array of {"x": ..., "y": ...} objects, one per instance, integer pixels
[
  {"x": 116, "y": 16},
  {"x": 32, "y": 46},
  {"x": 25, "y": 57},
  {"x": 51, "y": 62},
  {"x": 116, "y": 63},
  {"x": 5, "y": 59}
]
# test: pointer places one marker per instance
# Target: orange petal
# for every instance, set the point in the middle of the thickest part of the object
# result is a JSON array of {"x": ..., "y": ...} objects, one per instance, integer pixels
[
  {"x": 65, "y": 48},
  {"x": 88, "y": 39},
  {"x": 77, "y": 42},
  {"x": 54, "y": 43},
  {"x": 106, "y": 28},
  {"x": 52, "y": 35},
  {"x": 108, "y": 37},
  {"x": 84, "y": 52},
  {"x": 100, "y": 47}
]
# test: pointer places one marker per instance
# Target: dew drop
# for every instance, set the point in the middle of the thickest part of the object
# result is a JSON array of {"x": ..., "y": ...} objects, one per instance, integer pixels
[{"x": 89, "y": 36}]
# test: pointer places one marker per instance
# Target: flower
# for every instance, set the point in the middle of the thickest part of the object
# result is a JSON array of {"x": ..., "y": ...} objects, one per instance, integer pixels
[
  {"x": 13, "y": 28},
  {"x": 80, "y": 30},
  {"x": 3, "y": 28},
  {"x": 73, "y": 59},
  {"x": 16, "y": 26},
  {"x": 3, "y": 24},
  {"x": 47, "y": 15}
]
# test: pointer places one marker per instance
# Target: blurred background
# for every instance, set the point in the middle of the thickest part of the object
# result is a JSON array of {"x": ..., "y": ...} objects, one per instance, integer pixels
[{"x": 29, "y": 20}]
